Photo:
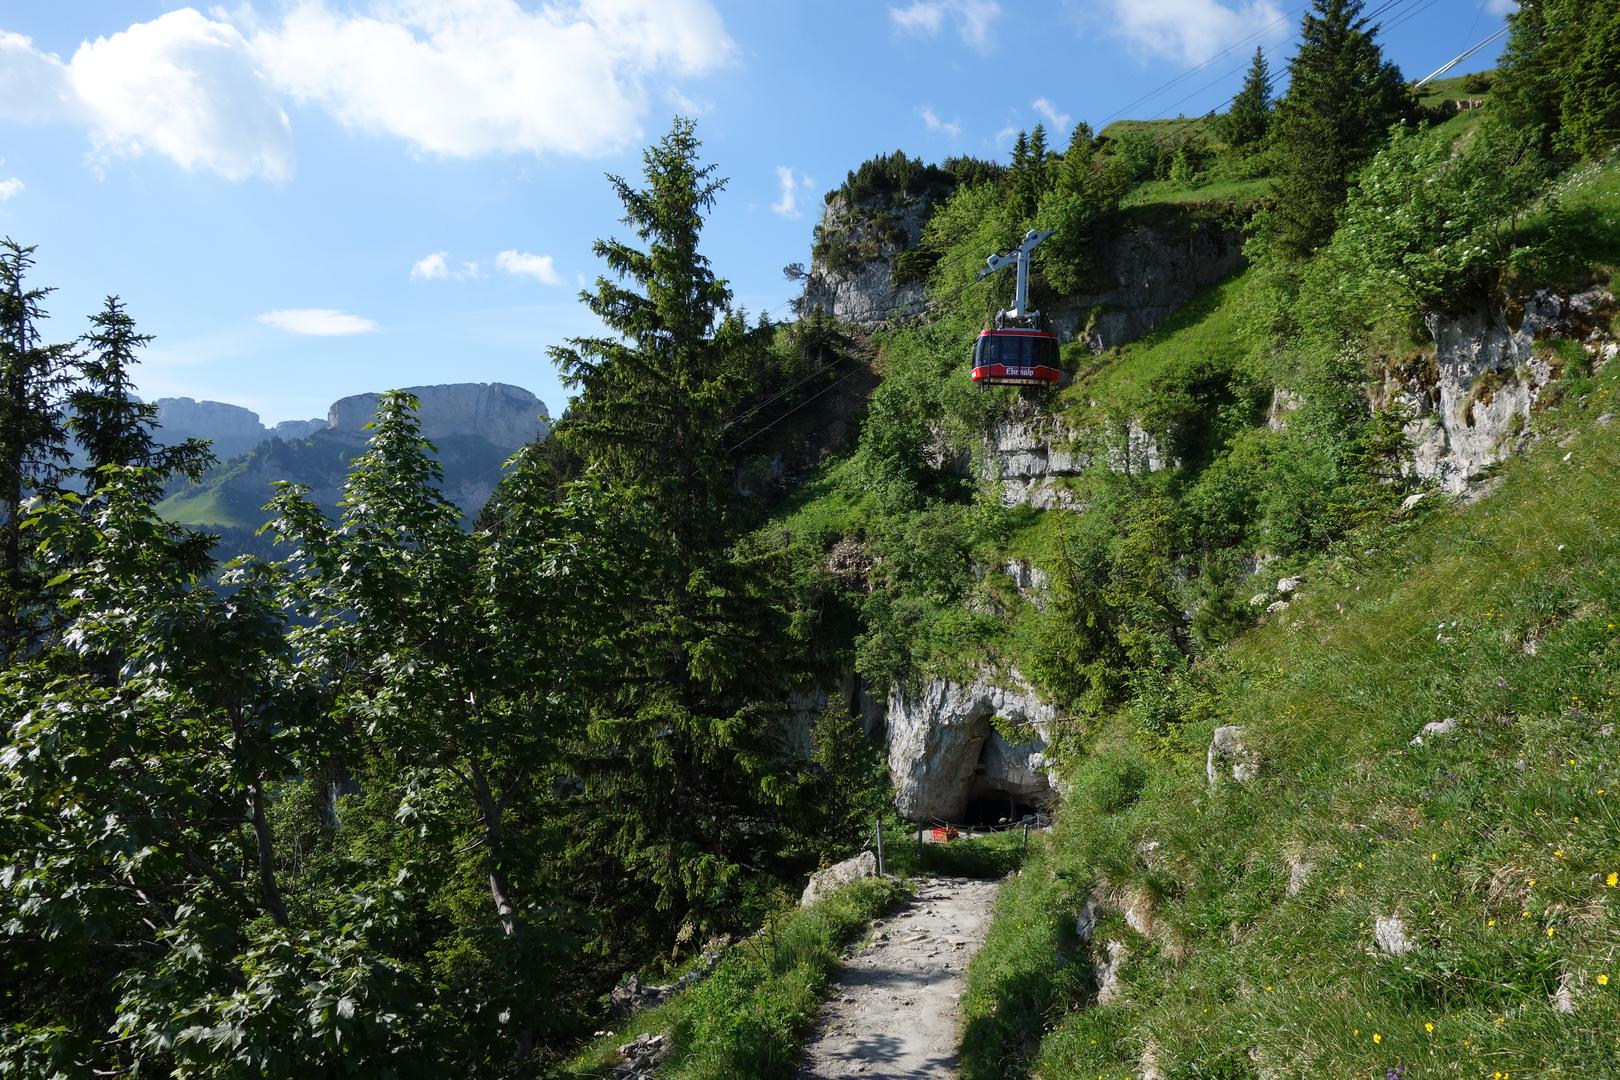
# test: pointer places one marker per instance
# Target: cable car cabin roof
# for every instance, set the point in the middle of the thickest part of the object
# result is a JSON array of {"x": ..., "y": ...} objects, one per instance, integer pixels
[{"x": 1016, "y": 357}]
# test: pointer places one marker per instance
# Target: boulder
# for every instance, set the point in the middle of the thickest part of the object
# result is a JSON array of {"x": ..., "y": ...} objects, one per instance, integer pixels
[
  {"x": 1389, "y": 936},
  {"x": 824, "y": 883},
  {"x": 1230, "y": 755},
  {"x": 1299, "y": 872},
  {"x": 1437, "y": 727},
  {"x": 1107, "y": 969}
]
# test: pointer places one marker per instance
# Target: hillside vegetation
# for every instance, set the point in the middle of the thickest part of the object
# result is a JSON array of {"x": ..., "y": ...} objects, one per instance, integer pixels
[{"x": 407, "y": 795}]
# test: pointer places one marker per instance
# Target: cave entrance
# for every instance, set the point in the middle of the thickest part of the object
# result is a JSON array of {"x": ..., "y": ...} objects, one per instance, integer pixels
[{"x": 989, "y": 809}]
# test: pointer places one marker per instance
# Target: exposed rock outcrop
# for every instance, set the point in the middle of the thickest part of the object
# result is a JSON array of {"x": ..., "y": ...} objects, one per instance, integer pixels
[
  {"x": 231, "y": 429},
  {"x": 1230, "y": 756},
  {"x": 1473, "y": 400},
  {"x": 944, "y": 750},
  {"x": 1151, "y": 271},
  {"x": 1389, "y": 936},
  {"x": 852, "y": 273},
  {"x": 1032, "y": 453},
  {"x": 505, "y": 415}
]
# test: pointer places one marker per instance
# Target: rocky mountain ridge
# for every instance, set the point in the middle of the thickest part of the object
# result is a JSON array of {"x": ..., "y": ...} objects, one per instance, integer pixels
[
  {"x": 473, "y": 426},
  {"x": 499, "y": 412}
]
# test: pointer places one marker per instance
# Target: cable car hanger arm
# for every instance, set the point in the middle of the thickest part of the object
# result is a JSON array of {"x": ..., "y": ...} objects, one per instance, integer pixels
[{"x": 1018, "y": 257}]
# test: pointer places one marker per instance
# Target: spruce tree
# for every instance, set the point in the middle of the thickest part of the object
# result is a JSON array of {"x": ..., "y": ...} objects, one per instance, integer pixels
[
  {"x": 680, "y": 770},
  {"x": 1342, "y": 97},
  {"x": 1246, "y": 123},
  {"x": 653, "y": 400},
  {"x": 110, "y": 424},
  {"x": 33, "y": 435},
  {"x": 1077, "y": 168}
]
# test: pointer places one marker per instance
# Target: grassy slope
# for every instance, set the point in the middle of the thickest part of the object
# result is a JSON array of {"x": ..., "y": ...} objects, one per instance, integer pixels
[{"x": 1449, "y": 836}]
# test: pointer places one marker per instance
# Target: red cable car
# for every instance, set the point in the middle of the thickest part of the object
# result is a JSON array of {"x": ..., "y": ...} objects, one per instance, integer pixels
[{"x": 1016, "y": 357}]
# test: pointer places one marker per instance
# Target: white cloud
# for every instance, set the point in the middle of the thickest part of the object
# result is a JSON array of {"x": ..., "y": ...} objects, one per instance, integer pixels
[
  {"x": 927, "y": 17},
  {"x": 181, "y": 85},
  {"x": 933, "y": 123},
  {"x": 436, "y": 267},
  {"x": 431, "y": 267},
  {"x": 787, "y": 186},
  {"x": 1191, "y": 31},
  {"x": 1503, "y": 7},
  {"x": 468, "y": 77},
  {"x": 317, "y": 322},
  {"x": 540, "y": 267},
  {"x": 459, "y": 78},
  {"x": 1057, "y": 121},
  {"x": 687, "y": 106},
  {"x": 10, "y": 188}
]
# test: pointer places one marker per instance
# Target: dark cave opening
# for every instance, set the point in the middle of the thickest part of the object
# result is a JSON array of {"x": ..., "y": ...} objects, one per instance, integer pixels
[{"x": 992, "y": 808}]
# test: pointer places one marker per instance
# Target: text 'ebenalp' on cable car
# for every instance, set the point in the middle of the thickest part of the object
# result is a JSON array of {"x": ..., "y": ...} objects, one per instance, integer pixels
[{"x": 1022, "y": 354}]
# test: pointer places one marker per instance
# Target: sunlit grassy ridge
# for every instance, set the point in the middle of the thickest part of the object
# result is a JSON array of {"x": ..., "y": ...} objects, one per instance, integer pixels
[{"x": 1495, "y": 845}]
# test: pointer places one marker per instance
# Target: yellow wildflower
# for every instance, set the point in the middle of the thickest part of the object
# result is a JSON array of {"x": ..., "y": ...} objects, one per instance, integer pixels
[
  {"x": 1612, "y": 880},
  {"x": 1603, "y": 980},
  {"x": 1377, "y": 1038},
  {"x": 1429, "y": 1028}
]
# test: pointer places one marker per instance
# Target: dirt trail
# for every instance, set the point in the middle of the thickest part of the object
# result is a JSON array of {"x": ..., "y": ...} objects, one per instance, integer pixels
[{"x": 895, "y": 1011}]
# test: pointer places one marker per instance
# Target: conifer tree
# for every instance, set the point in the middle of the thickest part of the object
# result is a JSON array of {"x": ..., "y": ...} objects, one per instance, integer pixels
[
  {"x": 1077, "y": 168},
  {"x": 653, "y": 400},
  {"x": 1246, "y": 123},
  {"x": 1342, "y": 97},
  {"x": 33, "y": 433},
  {"x": 113, "y": 426},
  {"x": 681, "y": 772}
]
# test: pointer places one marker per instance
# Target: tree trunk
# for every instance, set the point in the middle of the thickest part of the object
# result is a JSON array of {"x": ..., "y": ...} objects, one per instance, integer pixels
[
  {"x": 267, "y": 856},
  {"x": 500, "y": 889}
]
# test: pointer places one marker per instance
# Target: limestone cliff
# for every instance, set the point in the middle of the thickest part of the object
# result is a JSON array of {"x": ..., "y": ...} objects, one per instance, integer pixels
[
  {"x": 1472, "y": 401},
  {"x": 505, "y": 415},
  {"x": 947, "y": 748},
  {"x": 474, "y": 426},
  {"x": 852, "y": 269},
  {"x": 1148, "y": 272},
  {"x": 231, "y": 429}
]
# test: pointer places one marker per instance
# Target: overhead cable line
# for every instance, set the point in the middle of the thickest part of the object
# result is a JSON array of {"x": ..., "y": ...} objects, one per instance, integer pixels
[
  {"x": 1454, "y": 61},
  {"x": 1150, "y": 95}
]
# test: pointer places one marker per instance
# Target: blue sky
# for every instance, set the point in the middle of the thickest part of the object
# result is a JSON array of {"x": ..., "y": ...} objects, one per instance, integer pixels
[{"x": 314, "y": 198}]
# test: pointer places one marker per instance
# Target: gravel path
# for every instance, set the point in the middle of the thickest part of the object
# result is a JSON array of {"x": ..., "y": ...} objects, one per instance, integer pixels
[{"x": 895, "y": 1011}]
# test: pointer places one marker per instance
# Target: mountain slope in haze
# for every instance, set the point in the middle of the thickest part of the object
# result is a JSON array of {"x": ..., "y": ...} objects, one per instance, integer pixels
[{"x": 474, "y": 427}]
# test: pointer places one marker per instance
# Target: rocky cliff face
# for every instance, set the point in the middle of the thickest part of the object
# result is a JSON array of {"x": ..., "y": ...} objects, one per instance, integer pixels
[
  {"x": 1471, "y": 403},
  {"x": 232, "y": 429},
  {"x": 475, "y": 427},
  {"x": 1032, "y": 453},
  {"x": 852, "y": 271},
  {"x": 1152, "y": 271},
  {"x": 508, "y": 416},
  {"x": 945, "y": 752}
]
